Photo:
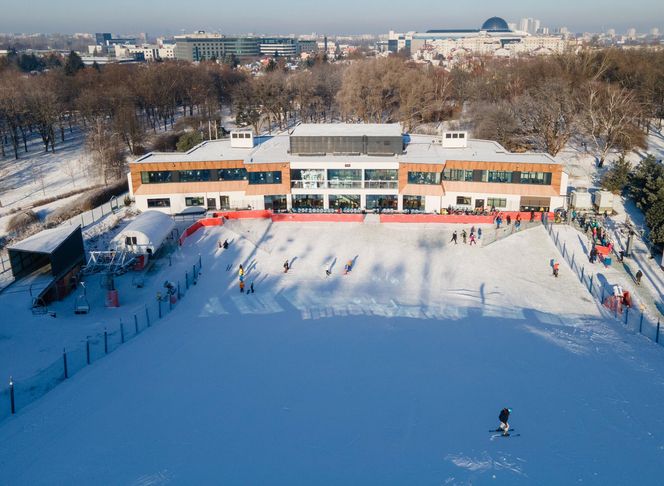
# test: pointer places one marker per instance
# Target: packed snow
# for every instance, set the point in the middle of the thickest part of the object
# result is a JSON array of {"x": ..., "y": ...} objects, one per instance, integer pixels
[{"x": 391, "y": 374}]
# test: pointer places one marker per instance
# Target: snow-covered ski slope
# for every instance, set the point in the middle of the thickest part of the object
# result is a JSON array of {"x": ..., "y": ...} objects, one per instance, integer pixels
[{"x": 392, "y": 374}]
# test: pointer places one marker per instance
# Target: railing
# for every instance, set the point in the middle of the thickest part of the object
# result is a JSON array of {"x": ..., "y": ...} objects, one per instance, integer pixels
[
  {"x": 632, "y": 317},
  {"x": 344, "y": 184}
]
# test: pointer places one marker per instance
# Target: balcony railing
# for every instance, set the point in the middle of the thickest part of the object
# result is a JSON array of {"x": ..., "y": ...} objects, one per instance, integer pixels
[{"x": 344, "y": 184}]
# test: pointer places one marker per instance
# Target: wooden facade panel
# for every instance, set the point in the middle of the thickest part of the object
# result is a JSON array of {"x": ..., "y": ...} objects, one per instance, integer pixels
[
  {"x": 497, "y": 188},
  {"x": 405, "y": 168},
  {"x": 136, "y": 169},
  {"x": 191, "y": 187}
]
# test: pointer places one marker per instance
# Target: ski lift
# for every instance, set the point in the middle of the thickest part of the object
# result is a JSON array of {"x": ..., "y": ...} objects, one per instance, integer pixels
[{"x": 82, "y": 305}]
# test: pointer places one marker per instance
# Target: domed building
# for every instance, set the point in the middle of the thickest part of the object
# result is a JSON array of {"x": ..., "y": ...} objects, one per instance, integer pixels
[{"x": 495, "y": 24}]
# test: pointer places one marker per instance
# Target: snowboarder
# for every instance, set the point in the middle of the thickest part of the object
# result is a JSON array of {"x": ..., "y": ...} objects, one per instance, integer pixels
[
  {"x": 348, "y": 267},
  {"x": 464, "y": 236},
  {"x": 639, "y": 274},
  {"x": 454, "y": 237},
  {"x": 556, "y": 267},
  {"x": 504, "y": 417},
  {"x": 286, "y": 266}
]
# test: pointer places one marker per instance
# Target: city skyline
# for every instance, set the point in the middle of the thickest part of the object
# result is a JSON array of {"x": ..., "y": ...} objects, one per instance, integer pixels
[{"x": 298, "y": 16}]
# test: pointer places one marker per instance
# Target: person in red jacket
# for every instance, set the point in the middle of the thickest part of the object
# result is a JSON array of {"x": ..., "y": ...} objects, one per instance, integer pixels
[{"x": 556, "y": 268}]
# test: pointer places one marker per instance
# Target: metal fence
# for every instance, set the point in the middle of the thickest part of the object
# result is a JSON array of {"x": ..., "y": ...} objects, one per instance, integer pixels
[
  {"x": 22, "y": 392},
  {"x": 90, "y": 217},
  {"x": 633, "y": 318}
]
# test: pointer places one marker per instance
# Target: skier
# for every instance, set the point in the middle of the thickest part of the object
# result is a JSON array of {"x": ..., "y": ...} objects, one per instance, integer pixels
[
  {"x": 242, "y": 286},
  {"x": 639, "y": 274},
  {"x": 327, "y": 272},
  {"x": 286, "y": 266},
  {"x": 454, "y": 237},
  {"x": 504, "y": 417},
  {"x": 225, "y": 244},
  {"x": 479, "y": 233},
  {"x": 473, "y": 241},
  {"x": 556, "y": 267},
  {"x": 241, "y": 271},
  {"x": 464, "y": 236}
]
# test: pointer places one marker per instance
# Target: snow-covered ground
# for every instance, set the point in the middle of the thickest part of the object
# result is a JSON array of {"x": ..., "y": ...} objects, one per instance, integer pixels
[{"x": 393, "y": 374}]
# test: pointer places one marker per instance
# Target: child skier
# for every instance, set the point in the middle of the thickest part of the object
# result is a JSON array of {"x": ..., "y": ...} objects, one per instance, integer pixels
[
  {"x": 348, "y": 267},
  {"x": 242, "y": 286},
  {"x": 504, "y": 417},
  {"x": 473, "y": 241},
  {"x": 556, "y": 267}
]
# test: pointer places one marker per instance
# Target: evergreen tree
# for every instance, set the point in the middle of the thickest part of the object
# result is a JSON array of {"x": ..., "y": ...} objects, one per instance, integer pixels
[
  {"x": 617, "y": 177},
  {"x": 73, "y": 64},
  {"x": 189, "y": 140}
]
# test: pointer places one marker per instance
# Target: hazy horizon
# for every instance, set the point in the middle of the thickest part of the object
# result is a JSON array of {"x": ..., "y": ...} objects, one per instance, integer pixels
[{"x": 170, "y": 17}]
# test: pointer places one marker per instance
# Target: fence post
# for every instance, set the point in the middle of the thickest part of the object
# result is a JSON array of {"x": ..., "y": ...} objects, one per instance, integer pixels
[
  {"x": 87, "y": 349},
  {"x": 564, "y": 248},
  {"x": 136, "y": 323},
  {"x": 573, "y": 255},
  {"x": 11, "y": 395},
  {"x": 193, "y": 273},
  {"x": 200, "y": 262},
  {"x": 159, "y": 301},
  {"x": 147, "y": 315},
  {"x": 583, "y": 269},
  {"x": 121, "y": 332},
  {"x": 557, "y": 234},
  {"x": 64, "y": 361},
  {"x": 590, "y": 286},
  {"x": 657, "y": 335},
  {"x": 105, "y": 341},
  {"x": 641, "y": 323}
]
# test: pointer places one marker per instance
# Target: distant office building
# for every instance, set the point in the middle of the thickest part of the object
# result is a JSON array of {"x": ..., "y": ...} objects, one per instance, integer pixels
[{"x": 202, "y": 46}]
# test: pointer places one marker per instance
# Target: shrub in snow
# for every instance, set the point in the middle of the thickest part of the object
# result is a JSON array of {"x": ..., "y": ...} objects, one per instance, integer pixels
[{"x": 20, "y": 223}]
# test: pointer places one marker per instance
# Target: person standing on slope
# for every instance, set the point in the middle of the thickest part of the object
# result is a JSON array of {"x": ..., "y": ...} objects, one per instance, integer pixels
[
  {"x": 556, "y": 268},
  {"x": 454, "y": 238},
  {"x": 504, "y": 417}
]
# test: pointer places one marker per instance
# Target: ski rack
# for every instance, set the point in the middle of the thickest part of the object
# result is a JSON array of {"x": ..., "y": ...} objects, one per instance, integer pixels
[{"x": 114, "y": 262}]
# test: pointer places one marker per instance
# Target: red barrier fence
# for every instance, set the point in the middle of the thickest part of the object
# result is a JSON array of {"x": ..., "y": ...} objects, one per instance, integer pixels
[
  {"x": 318, "y": 217},
  {"x": 218, "y": 218}
]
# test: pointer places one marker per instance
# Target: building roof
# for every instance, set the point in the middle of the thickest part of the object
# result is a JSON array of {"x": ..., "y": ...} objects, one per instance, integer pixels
[
  {"x": 46, "y": 241},
  {"x": 419, "y": 149},
  {"x": 347, "y": 130}
]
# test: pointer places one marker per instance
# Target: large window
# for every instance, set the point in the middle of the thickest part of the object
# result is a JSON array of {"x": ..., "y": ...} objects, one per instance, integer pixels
[
  {"x": 307, "y": 178},
  {"x": 194, "y": 201},
  {"x": 381, "y": 174},
  {"x": 159, "y": 203},
  {"x": 458, "y": 175},
  {"x": 307, "y": 201},
  {"x": 499, "y": 176},
  {"x": 495, "y": 202},
  {"x": 463, "y": 200},
  {"x": 268, "y": 177},
  {"x": 344, "y": 178},
  {"x": 156, "y": 177},
  {"x": 350, "y": 201},
  {"x": 543, "y": 178},
  {"x": 382, "y": 202},
  {"x": 424, "y": 178},
  {"x": 275, "y": 203},
  {"x": 194, "y": 175},
  {"x": 233, "y": 174},
  {"x": 413, "y": 203}
]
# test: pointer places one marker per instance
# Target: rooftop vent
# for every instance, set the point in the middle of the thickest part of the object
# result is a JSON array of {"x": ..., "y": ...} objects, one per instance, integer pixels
[
  {"x": 242, "y": 138},
  {"x": 455, "y": 139}
]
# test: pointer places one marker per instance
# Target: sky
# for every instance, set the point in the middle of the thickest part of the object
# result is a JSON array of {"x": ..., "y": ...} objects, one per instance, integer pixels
[{"x": 306, "y": 16}]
